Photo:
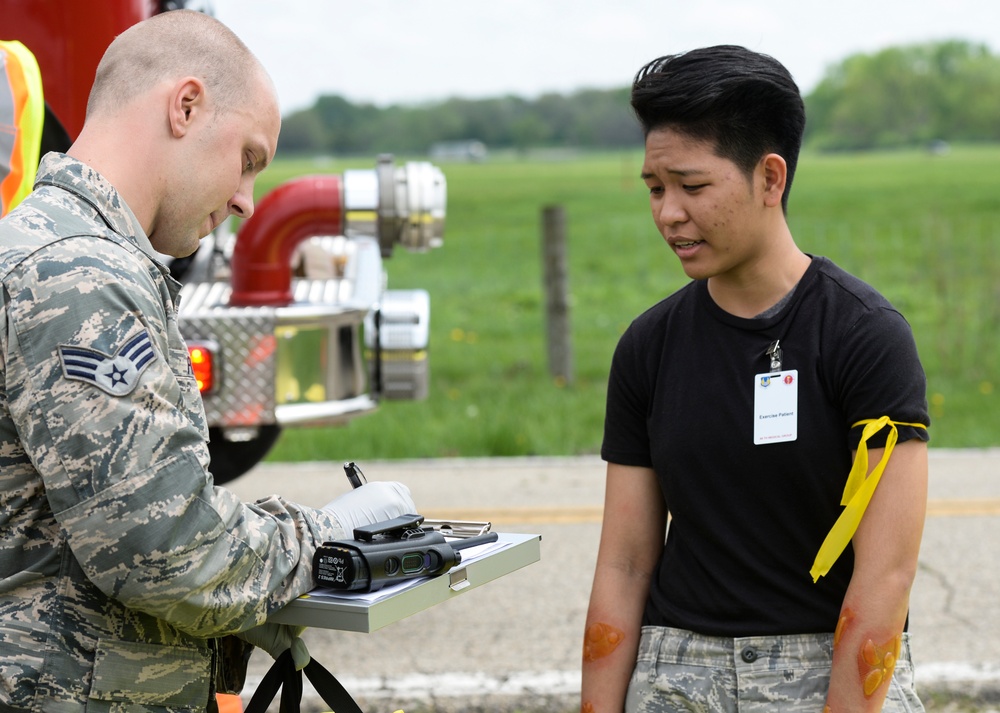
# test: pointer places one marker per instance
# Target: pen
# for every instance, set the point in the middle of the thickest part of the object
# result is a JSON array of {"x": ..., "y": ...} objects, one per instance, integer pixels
[{"x": 354, "y": 474}]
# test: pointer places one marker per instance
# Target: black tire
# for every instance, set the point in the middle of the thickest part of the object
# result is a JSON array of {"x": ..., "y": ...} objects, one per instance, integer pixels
[{"x": 231, "y": 459}]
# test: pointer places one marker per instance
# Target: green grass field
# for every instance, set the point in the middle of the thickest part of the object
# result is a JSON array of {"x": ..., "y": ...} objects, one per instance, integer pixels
[{"x": 923, "y": 229}]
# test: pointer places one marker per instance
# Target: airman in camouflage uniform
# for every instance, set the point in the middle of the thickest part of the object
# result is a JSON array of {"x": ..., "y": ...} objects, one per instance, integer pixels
[{"x": 122, "y": 569}]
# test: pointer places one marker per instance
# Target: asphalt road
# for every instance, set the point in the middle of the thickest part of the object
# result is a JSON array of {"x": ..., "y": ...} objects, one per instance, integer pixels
[{"x": 514, "y": 644}]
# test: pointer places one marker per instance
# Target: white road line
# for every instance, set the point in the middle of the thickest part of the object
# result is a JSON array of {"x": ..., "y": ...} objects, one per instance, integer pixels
[
  {"x": 956, "y": 672},
  {"x": 420, "y": 686}
]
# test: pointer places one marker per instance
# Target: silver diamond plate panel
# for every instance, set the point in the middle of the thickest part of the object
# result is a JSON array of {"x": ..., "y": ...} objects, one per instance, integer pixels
[
  {"x": 254, "y": 344},
  {"x": 245, "y": 395}
]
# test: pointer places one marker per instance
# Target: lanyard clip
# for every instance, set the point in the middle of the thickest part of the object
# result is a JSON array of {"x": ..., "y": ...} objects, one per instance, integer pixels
[{"x": 774, "y": 351}]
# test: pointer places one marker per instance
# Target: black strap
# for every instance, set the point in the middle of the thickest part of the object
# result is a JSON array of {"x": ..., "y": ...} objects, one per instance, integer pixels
[
  {"x": 270, "y": 684},
  {"x": 283, "y": 675}
]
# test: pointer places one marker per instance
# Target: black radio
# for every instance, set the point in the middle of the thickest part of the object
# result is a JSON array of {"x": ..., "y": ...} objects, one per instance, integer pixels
[{"x": 387, "y": 552}]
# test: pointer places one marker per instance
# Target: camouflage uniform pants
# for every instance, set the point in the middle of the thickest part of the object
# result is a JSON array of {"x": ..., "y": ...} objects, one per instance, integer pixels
[{"x": 682, "y": 671}]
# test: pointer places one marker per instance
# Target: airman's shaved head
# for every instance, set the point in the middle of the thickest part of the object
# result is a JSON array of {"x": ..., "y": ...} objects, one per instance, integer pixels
[{"x": 167, "y": 47}]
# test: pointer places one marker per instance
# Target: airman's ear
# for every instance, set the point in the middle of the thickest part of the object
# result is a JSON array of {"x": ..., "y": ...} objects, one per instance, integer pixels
[
  {"x": 775, "y": 172},
  {"x": 187, "y": 102}
]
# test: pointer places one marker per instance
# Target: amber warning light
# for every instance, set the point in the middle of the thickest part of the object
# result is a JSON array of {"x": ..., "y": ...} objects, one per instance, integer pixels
[{"x": 203, "y": 365}]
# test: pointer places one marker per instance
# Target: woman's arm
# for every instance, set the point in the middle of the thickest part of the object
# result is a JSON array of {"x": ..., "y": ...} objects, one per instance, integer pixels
[
  {"x": 632, "y": 536},
  {"x": 886, "y": 546}
]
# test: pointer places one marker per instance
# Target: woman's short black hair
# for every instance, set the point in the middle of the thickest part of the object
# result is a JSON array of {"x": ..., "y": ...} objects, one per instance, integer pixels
[{"x": 743, "y": 102}]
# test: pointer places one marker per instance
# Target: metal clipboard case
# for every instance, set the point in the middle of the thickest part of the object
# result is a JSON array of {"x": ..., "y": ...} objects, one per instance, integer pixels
[{"x": 347, "y": 614}]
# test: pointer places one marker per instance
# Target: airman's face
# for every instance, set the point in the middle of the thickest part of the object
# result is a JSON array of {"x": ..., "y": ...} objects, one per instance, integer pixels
[{"x": 228, "y": 152}]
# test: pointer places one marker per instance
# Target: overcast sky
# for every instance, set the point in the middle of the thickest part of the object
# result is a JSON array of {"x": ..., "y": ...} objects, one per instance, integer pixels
[{"x": 411, "y": 51}]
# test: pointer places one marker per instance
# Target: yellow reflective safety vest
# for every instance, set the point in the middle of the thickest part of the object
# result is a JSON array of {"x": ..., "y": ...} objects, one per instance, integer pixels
[{"x": 22, "y": 113}]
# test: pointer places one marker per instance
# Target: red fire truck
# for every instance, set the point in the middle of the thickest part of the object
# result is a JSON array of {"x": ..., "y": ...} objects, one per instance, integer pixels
[{"x": 288, "y": 319}]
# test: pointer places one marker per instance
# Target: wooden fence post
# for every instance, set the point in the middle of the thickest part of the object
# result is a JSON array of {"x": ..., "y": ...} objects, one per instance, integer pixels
[{"x": 555, "y": 283}]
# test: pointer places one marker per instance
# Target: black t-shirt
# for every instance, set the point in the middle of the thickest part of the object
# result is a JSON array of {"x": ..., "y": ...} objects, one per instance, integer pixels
[{"x": 747, "y": 520}]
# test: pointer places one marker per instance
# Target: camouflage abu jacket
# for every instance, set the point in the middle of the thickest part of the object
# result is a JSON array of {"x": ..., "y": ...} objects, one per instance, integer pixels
[{"x": 120, "y": 563}]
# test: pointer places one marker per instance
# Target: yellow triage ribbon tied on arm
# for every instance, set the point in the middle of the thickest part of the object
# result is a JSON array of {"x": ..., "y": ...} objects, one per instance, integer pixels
[{"x": 857, "y": 493}]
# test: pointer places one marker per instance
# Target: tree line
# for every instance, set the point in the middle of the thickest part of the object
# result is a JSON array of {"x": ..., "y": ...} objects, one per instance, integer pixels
[{"x": 899, "y": 96}]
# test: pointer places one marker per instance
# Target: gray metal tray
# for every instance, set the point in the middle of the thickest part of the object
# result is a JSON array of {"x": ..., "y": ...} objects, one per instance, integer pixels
[{"x": 348, "y": 615}]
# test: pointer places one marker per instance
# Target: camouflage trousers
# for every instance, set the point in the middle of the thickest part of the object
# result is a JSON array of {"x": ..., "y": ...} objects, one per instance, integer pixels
[{"x": 679, "y": 670}]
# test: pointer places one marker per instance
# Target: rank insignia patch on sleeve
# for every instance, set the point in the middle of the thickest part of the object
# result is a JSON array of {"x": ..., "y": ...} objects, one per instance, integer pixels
[{"x": 116, "y": 374}]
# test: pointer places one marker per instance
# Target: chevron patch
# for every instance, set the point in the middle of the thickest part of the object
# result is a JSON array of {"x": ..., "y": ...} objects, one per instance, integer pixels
[{"x": 116, "y": 374}]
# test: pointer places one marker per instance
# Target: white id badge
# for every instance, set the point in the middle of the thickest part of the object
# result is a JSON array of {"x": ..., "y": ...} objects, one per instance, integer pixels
[{"x": 775, "y": 407}]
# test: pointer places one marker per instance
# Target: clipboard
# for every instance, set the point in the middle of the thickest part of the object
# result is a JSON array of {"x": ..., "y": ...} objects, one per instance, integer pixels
[{"x": 347, "y": 614}]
